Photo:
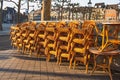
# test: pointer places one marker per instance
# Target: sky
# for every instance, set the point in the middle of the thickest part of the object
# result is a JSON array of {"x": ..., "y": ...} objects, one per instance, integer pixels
[
  {"x": 85, "y": 2},
  {"x": 81, "y": 2}
]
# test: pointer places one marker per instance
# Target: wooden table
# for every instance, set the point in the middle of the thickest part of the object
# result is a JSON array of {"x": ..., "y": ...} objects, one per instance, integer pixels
[
  {"x": 108, "y": 54},
  {"x": 105, "y": 34}
]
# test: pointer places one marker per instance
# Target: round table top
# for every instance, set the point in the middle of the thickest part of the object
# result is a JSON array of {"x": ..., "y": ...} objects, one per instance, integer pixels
[{"x": 96, "y": 51}]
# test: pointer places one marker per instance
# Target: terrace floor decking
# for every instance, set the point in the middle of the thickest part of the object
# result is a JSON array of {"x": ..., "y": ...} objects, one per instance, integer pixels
[{"x": 17, "y": 66}]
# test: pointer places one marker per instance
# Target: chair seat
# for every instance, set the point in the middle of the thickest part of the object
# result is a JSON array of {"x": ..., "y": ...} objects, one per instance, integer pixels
[
  {"x": 31, "y": 35},
  {"x": 63, "y": 47},
  {"x": 14, "y": 43},
  {"x": 24, "y": 34},
  {"x": 20, "y": 45},
  {"x": 79, "y": 41},
  {"x": 26, "y": 41},
  {"x": 18, "y": 34},
  {"x": 53, "y": 52},
  {"x": 81, "y": 50},
  {"x": 18, "y": 40},
  {"x": 50, "y": 37},
  {"x": 50, "y": 45},
  {"x": 41, "y": 36},
  {"x": 13, "y": 38},
  {"x": 63, "y": 38},
  {"x": 33, "y": 48},
  {"x": 65, "y": 55},
  {"x": 12, "y": 33},
  {"x": 32, "y": 41},
  {"x": 27, "y": 46}
]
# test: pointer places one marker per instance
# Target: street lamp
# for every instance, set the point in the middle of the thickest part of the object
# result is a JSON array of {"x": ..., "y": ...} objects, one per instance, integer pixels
[
  {"x": 89, "y": 3},
  {"x": 89, "y": 8}
]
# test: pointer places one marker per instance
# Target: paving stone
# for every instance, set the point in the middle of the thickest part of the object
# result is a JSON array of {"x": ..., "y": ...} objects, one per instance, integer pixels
[{"x": 17, "y": 66}]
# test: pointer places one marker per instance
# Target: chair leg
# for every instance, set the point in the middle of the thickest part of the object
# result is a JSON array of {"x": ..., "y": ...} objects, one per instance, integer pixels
[
  {"x": 86, "y": 68},
  {"x": 60, "y": 60},
  {"x": 48, "y": 58},
  {"x": 71, "y": 60},
  {"x": 58, "y": 56},
  {"x": 95, "y": 65},
  {"x": 74, "y": 65},
  {"x": 46, "y": 51},
  {"x": 109, "y": 70},
  {"x": 30, "y": 53}
]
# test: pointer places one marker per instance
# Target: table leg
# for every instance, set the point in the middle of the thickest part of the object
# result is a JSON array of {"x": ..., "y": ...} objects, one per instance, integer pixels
[{"x": 109, "y": 69}]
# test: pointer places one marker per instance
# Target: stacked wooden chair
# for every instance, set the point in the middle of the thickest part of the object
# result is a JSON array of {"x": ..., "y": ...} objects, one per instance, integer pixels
[
  {"x": 63, "y": 43},
  {"x": 29, "y": 41},
  {"x": 15, "y": 35},
  {"x": 23, "y": 35},
  {"x": 79, "y": 46},
  {"x": 80, "y": 42},
  {"x": 40, "y": 39},
  {"x": 50, "y": 40}
]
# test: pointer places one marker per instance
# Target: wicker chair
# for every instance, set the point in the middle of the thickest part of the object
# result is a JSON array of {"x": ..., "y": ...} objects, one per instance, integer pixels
[
  {"x": 14, "y": 36},
  {"x": 29, "y": 41},
  {"x": 79, "y": 46},
  {"x": 40, "y": 40},
  {"x": 63, "y": 43}
]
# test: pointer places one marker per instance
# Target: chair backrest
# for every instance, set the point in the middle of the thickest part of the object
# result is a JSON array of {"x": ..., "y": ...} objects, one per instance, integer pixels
[
  {"x": 64, "y": 33},
  {"x": 74, "y": 24},
  {"x": 61, "y": 24},
  {"x": 79, "y": 40},
  {"x": 91, "y": 27},
  {"x": 51, "y": 30}
]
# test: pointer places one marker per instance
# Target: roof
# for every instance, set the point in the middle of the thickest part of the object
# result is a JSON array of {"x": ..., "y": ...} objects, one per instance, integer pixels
[{"x": 97, "y": 4}]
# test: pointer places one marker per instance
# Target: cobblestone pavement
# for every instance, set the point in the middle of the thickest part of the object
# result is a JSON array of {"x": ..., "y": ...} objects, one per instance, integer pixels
[{"x": 17, "y": 66}]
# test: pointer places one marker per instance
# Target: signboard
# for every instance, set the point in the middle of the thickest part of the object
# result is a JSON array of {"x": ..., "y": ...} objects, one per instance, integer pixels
[{"x": 110, "y": 14}]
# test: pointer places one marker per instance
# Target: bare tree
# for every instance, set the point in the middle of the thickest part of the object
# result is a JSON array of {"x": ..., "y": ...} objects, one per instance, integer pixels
[
  {"x": 1, "y": 2},
  {"x": 18, "y": 5}
]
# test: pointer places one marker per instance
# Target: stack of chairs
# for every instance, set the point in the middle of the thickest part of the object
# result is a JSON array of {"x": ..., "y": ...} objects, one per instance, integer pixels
[
  {"x": 23, "y": 34},
  {"x": 79, "y": 46},
  {"x": 63, "y": 40},
  {"x": 81, "y": 41},
  {"x": 29, "y": 41},
  {"x": 50, "y": 40},
  {"x": 63, "y": 43},
  {"x": 40, "y": 39},
  {"x": 16, "y": 36}
]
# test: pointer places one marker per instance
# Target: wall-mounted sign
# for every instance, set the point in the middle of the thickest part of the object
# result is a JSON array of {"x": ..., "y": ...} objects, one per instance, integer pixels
[{"x": 110, "y": 14}]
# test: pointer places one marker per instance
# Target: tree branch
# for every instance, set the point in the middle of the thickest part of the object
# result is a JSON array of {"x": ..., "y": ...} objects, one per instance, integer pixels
[{"x": 12, "y": 2}]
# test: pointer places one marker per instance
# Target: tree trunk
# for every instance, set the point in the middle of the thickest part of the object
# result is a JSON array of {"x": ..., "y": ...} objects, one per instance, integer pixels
[
  {"x": 1, "y": 15},
  {"x": 18, "y": 15},
  {"x": 45, "y": 11}
]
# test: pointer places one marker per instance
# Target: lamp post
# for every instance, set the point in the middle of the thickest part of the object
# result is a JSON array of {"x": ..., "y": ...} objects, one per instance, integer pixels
[{"x": 89, "y": 8}]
